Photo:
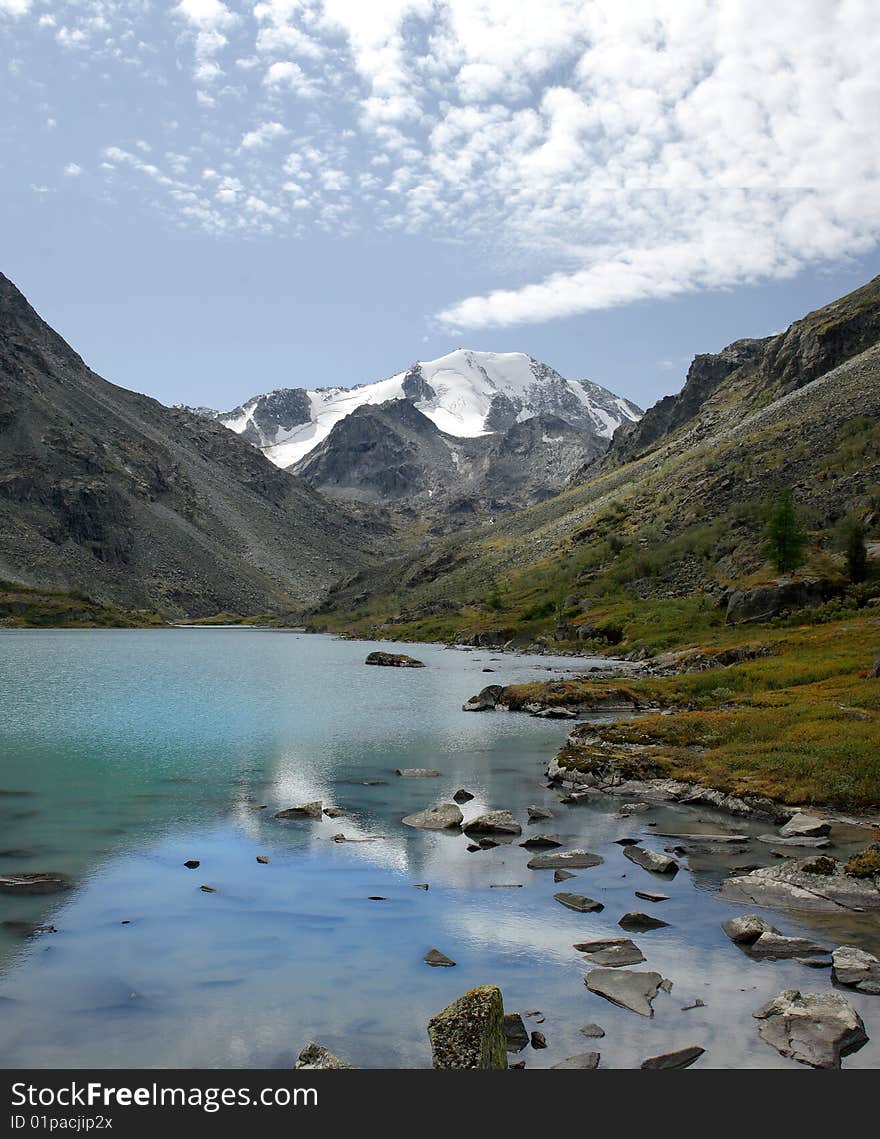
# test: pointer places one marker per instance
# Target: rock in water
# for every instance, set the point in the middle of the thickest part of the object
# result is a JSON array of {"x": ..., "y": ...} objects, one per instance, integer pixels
[
  {"x": 593, "y": 1030},
  {"x": 417, "y": 772},
  {"x": 651, "y": 860},
  {"x": 515, "y": 1032},
  {"x": 536, "y": 813},
  {"x": 34, "y": 882},
  {"x": 771, "y": 945},
  {"x": 650, "y": 896},
  {"x": 856, "y": 968},
  {"x": 316, "y": 1056},
  {"x": 441, "y": 818},
  {"x": 586, "y": 1060},
  {"x": 469, "y": 1033},
  {"x": 683, "y": 1058},
  {"x": 812, "y": 1028},
  {"x": 303, "y": 811},
  {"x": 562, "y": 875},
  {"x": 578, "y": 902},
  {"x": 625, "y": 987},
  {"x": 636, "y": 922},
  {"x": 613, "y": 952},
  {"x": 462, "y": 796},
  {"x": 820, "y": 884},
  {"x": 493, "y": 822},
  {"x": 803, "y": 825},
  {"x": 435, "y": 957},
  {"x": 192, "y": 864},
  {"x": 747, "y": 929},
  {"x": 538, "y": 1039},
  {"x": 565, "y": 859},
  {"x": 537, "y": 841},
  {"x": 394, "y": 660},
  {"x": 484, "y": 701}
]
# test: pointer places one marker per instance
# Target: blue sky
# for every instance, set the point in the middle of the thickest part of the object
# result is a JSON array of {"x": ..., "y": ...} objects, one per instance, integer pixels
[{"x": 210, "y": 199}]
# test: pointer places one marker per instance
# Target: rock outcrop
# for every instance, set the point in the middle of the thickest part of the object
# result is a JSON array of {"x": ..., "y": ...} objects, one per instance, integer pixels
[
  {"x": 469, "y": 1033},
  {"x": 812, "y": 1028}
]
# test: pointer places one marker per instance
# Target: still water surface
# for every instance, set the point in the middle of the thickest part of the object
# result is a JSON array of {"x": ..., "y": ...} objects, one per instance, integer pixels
[{"x": 129, "y": 752}]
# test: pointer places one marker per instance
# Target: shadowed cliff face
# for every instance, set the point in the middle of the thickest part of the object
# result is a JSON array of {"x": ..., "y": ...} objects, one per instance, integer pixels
[{"x": 108, "y": 492}]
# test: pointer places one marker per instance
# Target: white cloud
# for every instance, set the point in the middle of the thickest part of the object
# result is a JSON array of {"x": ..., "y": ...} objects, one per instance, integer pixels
[
  {"x": 289, "y": 75},
  {"x": 15, "y": 7},
  {"x": 262, "y": 135},
  {"x": 73, "y": 170}
]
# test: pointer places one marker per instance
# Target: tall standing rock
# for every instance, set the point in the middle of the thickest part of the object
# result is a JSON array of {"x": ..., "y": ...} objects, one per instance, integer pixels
[{"x": 469, "y": 1033}]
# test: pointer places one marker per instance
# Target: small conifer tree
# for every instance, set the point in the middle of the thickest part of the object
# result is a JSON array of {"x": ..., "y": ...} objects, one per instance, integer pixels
[{"x": 785, "y": 536}]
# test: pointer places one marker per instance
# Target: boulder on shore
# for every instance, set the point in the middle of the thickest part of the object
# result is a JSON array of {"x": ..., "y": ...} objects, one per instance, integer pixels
[
  {"x": 394, "y": 660},
  {"x": 316, "y": 1056},
  {"x": 484, "y": 701},
  {"x": 812, "y": 1028},
  {"x": 443, "y": 817},
  {"x": 469, "y": 1033}
]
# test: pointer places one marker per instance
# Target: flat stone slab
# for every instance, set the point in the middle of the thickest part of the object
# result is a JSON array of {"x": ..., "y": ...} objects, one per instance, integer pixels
[
  {"x": 649, "y": 896},
  {"x": 417, "y": 772},
  {"x": 625, "y": 952},
  {"x": 585, "y": 1060},
  {"x": 34, "y": 882},
  {"x": 443, "y": 817},
  {"x": 813, "y": 1028},
  {"x": 683, "y": 1058},
  {"x": 303, "y": 811},
  {"x": 565, "y": 860},
  {"x": 579, "y": 902},
  {"x": 780, "y": 948},
  {"x": 562, "y": 875},
  {"x": 626, "y": 988},
  {"x": 636, "y": 922},
  {"x": 796, "y": 884},
  {"x": 795, "y": 840},
  {"x": 719, "y": 839},
  {"x": 493, "y": 822},
  {"x": 651, "y": 860},
  {"x": 856, "y": 969}
]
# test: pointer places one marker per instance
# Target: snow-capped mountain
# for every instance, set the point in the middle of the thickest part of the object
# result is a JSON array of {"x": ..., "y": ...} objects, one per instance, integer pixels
[{"x": 465, "y": 394}]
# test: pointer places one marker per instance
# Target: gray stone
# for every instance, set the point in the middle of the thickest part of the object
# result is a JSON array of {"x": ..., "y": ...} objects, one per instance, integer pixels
[
  {"x": 536, "y": 813},
  {"x": 316, "y": 1056},
  {"x": 635, "y": 921},
  {"x": 592, "y": 1030},
  {"x": 746, "y": 930},
  {"x": 303, "y": 811},
  {"x": 469, "y": 1033},
  {"x": 624, "y": 952},
  {"x": 625, "y": 987},
  {"x": 819, "y": 885},
  {"x": 462, "y": 796},
  {"x": 579, "y": 902},
  {"x": 856, "y": 968},
  {"x": 683, "y": 1058},
  {"x": 584, "y": 1060},
  {"x": 774, "y": 945},
  {"x": 493, "y": 822},
  {"x": 541, "y": 840},
  {"x": 539, "y": 1040},
  {"x": 34, "y": 882},
  {"x": 562, "y": 875},
  {"x": 436, "y": 958},
  {"x": 515, "y": 1032},
  {"x": 794, "y": 840},
  {"x": 651, "y": 860},
  {"x": 649, "y": 896},
  {"x": 394, "y": 660},
  {"x": 565, "y": 859},
  {"x": 803, "y": 825},
  {"x": 812, "y": 1028},
  {"x": 486, "y": 700},
  {"x": 708, "y": 839},
  {"x": 417, "y": 772},
  {"x": 443, "y": 817}
]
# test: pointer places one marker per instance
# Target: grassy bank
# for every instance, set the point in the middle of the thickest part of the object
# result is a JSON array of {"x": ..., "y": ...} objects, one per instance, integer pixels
[{"x": 23, "y": 607}]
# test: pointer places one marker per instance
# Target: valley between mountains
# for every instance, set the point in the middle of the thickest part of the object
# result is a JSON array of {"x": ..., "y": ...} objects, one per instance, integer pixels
[{"x": 484, "y": 500}]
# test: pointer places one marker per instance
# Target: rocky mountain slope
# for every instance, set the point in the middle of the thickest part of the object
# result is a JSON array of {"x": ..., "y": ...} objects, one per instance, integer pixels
[
  {"x": 664, "y": 527},
  {"x": 108, "y": 492}
]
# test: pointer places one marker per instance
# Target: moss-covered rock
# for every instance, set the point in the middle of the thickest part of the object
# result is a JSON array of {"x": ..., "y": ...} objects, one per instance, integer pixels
[
  {"x": 469, "y": 1033},
  {"x": 865, "y": 864}
]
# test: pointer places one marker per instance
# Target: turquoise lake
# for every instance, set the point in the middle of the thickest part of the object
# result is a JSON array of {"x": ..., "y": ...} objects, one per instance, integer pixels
[{"x": 125, "y": 753}]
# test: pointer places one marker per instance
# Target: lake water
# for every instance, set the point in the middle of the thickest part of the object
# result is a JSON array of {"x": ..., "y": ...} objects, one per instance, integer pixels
[{"x": 129, "y": 752}]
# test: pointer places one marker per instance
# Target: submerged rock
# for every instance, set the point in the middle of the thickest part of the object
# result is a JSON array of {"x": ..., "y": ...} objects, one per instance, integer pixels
[
  {"x": 443, "y": 817},
  {"x": 394, "y": 660},
  {"x": 303, "y": 811},
  {"x": 316, "y": 1056},
  {"x": 635, "y": 921},
  {"x": 683, "y": 1058},
  {"x": 561, "y": 859},
  {"x": 579, "y": 902},
  {"x": 469, "y": 1033},
  {"x": 585, "y": 1060},
  {"x": 417, "y": 772},
  {"x": 493, "y": 822},
  {"x": 856, "y": 969},
  {"x": 651, "y": 860},
  {"x": 436, "y": 958},
  {"x": 625, "y": 987},
  {"x": 812, "y": 1028},
  {"x": 34, "y": 882}
]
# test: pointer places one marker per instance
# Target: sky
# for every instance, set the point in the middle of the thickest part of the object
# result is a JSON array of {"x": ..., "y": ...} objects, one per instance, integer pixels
[{"x": 214, "y": 198}]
